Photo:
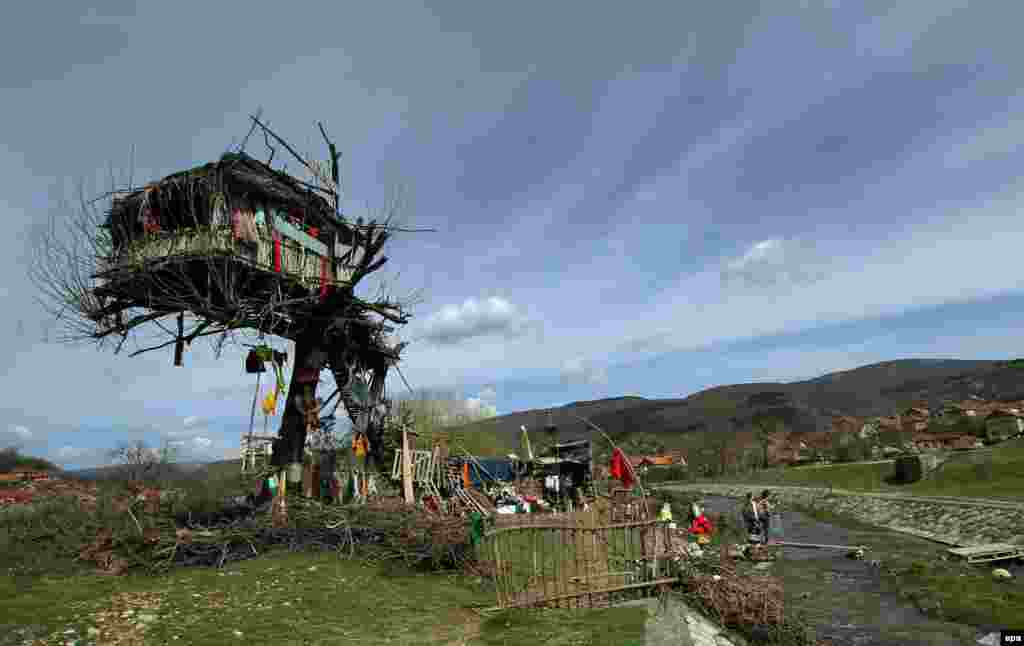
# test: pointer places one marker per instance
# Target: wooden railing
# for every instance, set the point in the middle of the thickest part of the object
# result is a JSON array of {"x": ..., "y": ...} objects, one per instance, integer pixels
[{"x": 296, "y": 260}]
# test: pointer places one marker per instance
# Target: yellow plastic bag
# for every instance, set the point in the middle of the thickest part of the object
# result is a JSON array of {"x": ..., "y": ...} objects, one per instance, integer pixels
[
  {"x": 360, "y": 446},
  {"x": 270, "y": 402}
]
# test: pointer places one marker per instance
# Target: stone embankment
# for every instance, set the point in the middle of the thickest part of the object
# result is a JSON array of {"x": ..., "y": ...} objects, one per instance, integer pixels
[{"x": 953, "y": 521}]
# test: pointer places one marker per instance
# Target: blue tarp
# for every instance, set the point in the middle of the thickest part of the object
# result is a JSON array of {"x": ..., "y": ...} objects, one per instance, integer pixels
[{"x": 499, "y": 469}]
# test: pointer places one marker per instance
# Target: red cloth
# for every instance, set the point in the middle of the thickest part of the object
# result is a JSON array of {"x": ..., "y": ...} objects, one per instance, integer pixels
[
  {"x": 620, "y": 469},
  {"x": 150, "y": 223},
  {"x": 236, "y": 222},
  {"x": 701, "y": 525},
  {"x": 430, "y": 503},
  {"x": 277, "y": 255},
  {"x": 324, "y": 264}
]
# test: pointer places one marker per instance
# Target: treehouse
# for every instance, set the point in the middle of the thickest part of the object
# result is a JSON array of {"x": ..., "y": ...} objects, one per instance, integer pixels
[{"x": 234, "y": 241}]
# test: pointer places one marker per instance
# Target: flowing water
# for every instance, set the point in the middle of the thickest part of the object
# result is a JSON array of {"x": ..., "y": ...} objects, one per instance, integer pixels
[{"x": 850, "y": 601}]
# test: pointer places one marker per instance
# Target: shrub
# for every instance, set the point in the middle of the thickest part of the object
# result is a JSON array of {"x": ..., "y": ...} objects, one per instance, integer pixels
[
  {"x": 907, "y": 469},
  {"x": 667, "y": 474}
]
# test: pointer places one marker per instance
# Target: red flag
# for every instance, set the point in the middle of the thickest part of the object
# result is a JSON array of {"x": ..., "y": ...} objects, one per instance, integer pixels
[{"x": 620, "y": 469}]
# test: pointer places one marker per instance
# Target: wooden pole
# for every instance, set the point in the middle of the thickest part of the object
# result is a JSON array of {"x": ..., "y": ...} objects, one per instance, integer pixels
[
  {"x": 252, "y": 420},
  {"x": 406, "y": 469},
  {"x": 179, "y": 343}
]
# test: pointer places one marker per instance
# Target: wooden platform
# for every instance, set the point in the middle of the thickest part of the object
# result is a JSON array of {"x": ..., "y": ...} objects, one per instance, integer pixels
[{"x": 990, "y": 552}]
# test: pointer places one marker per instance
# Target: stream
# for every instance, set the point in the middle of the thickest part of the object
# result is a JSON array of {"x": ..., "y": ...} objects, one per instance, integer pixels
[{"x": 848, "y": 600}]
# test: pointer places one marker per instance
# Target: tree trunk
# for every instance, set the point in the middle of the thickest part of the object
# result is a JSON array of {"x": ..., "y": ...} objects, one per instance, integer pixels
[{"x": 291, "y": 438}]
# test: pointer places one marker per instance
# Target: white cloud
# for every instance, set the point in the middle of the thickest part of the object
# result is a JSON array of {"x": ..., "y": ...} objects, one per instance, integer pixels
[
  {"x": 489, "y": 393},
  {"x": 479, "y": 408},
  {"x": 579, "y": 371},
  {"x": 21, "y": 431},
  {"x": 1002, "y": 136},
  {"x": 191, "y": 421},
  {"x": 67, "y": 452},
  {"x": 202, "y": 443},
  {"x": 473, "y": 319},
  {"x": 82, "y": 456},
  {"x": 774, "y": 262}
]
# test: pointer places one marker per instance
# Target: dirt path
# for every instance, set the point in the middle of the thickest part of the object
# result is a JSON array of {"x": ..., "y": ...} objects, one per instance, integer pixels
[{"x": 850, "y": 601}]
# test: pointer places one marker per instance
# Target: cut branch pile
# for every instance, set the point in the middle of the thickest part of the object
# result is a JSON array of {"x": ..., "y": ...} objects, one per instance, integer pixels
[
  {"x": 382, "y": 531},
  {"x": 738, "y": 600}
]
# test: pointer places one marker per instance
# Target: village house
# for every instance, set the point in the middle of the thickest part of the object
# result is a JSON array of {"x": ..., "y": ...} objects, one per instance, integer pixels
[
  {"x": 815, "y": 447},
  {"x": 943, "y": 441},
  {"x": 870, "y": 429},
  {"x": 890, "y": 424},
  {"x": 671, "y": 458},
  {"x": 915, "y": 419},
  {"x": 847, "y": 424},
  {"x": 24, "y": 474},
  {"x": 678, "y": 457},
  {"x": 917, "y": 412},
  {"x": 1002, "y": 424},
  {"x": 784, "y": 450}
]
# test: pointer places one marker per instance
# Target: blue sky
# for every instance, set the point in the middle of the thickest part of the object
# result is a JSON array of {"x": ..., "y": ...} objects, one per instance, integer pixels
[{"x": 635, "y": 199}]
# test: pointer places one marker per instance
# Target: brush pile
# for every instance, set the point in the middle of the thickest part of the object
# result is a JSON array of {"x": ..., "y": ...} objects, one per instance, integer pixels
[
  {"x": 144, "y": 529},
  {"x": 382, "y": 530}
]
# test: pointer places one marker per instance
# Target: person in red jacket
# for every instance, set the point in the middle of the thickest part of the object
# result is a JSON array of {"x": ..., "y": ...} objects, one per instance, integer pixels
[{"x": 701, "y": 526}]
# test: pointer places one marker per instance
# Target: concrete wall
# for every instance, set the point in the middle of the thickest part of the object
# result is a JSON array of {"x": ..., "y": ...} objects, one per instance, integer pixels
[{"x": 959, "y": 522}]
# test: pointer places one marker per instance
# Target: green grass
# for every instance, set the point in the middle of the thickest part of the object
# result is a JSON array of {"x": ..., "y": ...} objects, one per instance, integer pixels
[
  {"x": 962, "y": 594},
  {"x": 1004, "y": 478},
  {"x": 297, "y": 598},
  {"x": 609, "y": 627}
]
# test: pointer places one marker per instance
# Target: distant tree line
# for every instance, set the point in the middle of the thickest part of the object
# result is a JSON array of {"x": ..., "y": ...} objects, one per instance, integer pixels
[{"x": 11, "y": 458}]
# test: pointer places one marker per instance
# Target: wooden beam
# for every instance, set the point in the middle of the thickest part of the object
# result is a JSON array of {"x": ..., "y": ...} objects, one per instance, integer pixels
[
  {"x": 816, "y": 545},
  {"x": 407, "y": 469}
]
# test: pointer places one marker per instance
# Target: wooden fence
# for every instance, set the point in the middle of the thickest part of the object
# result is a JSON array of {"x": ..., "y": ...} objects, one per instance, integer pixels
[{"x": 572, "y": 561}]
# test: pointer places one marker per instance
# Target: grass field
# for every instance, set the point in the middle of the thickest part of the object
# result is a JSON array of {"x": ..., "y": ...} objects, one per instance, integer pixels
[
  {"x": 279, "y": 597},
  {"x": 1003, "y": 477},
  {"x": 289, "y": 598}
]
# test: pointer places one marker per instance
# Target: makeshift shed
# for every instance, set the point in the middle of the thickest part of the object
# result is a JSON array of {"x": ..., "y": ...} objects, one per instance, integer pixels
[
  {"x": 231, "y": 226},
  {"x": 570, "y": 462}
]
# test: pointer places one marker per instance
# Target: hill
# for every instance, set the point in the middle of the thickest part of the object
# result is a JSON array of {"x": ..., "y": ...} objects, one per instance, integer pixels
[
  {"x": 806, "y": 406},
  {"x": 170, "y": 471}
]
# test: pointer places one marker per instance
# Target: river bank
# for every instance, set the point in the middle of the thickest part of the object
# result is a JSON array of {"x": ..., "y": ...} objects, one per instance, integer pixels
[{"x": 870, "y": 601}]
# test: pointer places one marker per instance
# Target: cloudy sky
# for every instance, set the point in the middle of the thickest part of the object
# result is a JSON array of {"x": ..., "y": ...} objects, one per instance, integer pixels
[{"x": 630, "y": 198}]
